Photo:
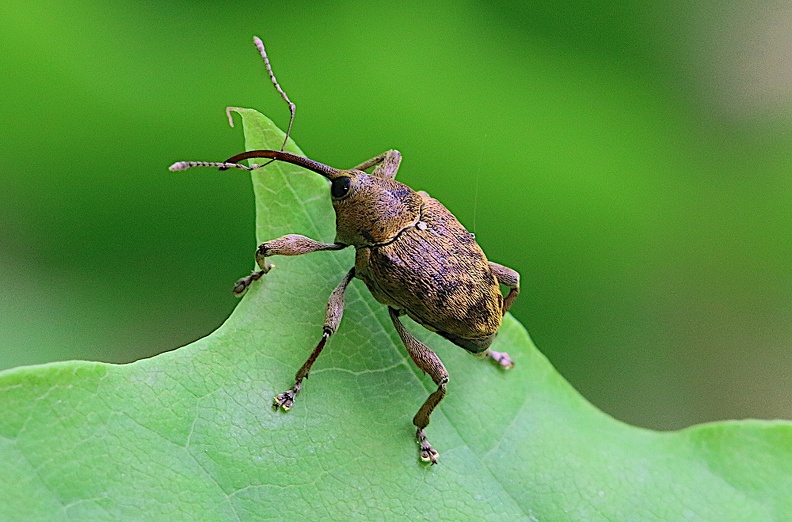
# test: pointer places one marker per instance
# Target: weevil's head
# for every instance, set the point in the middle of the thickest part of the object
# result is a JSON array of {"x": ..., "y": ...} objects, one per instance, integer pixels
[{"x": 371, "y": 210}]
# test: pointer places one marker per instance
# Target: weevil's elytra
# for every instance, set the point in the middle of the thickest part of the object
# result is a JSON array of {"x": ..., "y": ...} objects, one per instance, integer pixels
[{"x": 414, "y": 256}]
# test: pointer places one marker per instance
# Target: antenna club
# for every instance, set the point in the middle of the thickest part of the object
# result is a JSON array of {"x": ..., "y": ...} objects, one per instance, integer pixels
[
  {"x": 259, "y": 44},
  {"x": 178, "y": 166}
]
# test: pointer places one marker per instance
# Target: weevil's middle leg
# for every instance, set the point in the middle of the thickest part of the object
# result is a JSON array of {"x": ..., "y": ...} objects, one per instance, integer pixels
[
  {"x": 288, "y": 245},
  {"x": 387, "y": 164},
  {"x": 333, "y": 314},
  {"x": 430, "y": 363}
]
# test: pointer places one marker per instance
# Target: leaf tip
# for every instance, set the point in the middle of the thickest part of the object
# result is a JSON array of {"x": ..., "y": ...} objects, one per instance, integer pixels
[{"x": 230, "y": 117}]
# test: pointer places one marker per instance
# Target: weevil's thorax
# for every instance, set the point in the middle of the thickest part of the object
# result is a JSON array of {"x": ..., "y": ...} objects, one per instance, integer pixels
[{"x": 371, "y": 210}]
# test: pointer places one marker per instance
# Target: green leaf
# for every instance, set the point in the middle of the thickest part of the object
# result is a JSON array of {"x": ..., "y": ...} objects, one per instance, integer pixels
[{"x": 191, "y": 433}]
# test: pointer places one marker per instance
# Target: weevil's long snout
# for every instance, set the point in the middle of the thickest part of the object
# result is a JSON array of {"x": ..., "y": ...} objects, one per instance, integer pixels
[
  {"x": 233, "y": 162},
  {"x": 320, "y": 168}
]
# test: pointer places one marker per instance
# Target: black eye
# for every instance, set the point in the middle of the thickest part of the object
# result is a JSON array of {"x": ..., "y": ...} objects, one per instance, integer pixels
[{"x": 340, "y": 187}]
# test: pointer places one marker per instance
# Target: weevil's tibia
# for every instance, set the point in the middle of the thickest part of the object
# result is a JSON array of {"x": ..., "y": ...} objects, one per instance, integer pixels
[
  {"x": 333, "y": 314},
  {"x": 288, "y": 245},
  {"x": 430, "y": 363},
  {"x": 285, "y": 400}
]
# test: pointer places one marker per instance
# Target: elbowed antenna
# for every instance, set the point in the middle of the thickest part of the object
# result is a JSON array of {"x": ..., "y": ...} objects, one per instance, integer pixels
[
  {"x": 263, "y": 52},
  {"x": 184, "y": 165},
  {"x": 232, "y": 162},
  {"x": 272, "y": 155}
]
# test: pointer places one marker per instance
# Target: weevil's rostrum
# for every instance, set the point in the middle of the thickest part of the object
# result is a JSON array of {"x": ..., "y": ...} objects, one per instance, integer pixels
[{"x": 414, "y": 256}]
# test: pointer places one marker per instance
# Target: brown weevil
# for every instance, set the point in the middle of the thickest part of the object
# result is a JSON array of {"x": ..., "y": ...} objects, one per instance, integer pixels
[{"x": 414, "y": 256}]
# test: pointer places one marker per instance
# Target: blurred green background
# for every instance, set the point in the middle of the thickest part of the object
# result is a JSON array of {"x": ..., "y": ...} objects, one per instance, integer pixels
[{"x": 630, "y": 159}]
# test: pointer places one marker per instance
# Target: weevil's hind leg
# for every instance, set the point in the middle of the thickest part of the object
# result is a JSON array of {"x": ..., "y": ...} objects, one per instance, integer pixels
[
  {"x": 430, "y": 363},
  {"x": 335, "y": 309},
  {"x": 502, "y": 359},
  {"x": 511, "y": 279},
  {"x": 387, "y": 164},
  {"x": 288, "y": 245}
]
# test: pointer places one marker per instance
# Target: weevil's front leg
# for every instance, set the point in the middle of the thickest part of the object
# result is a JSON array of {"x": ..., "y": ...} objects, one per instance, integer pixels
[
  {"x": 510, "y": 278},
  {"x": 430, "y": 363},
  {"x": 335, "y": 309},
  {"x": 387, "y": 164},
  {"x": 288, "y": 245}
]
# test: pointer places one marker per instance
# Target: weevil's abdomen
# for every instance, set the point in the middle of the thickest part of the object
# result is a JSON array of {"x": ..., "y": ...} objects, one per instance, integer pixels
[{"x": 437, "y": 273}]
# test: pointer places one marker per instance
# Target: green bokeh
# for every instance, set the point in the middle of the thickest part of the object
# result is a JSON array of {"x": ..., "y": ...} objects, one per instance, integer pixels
[{"x": 632, "y": 162}]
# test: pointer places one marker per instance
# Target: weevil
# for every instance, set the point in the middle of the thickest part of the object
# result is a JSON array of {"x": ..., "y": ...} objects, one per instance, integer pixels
[{"x": 414, "y": 256}]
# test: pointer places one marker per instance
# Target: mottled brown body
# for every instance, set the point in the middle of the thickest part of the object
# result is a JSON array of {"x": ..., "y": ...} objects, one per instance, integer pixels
[
  {"x": 414, "y": 256},
  {"x": 436, "y": 272}
]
